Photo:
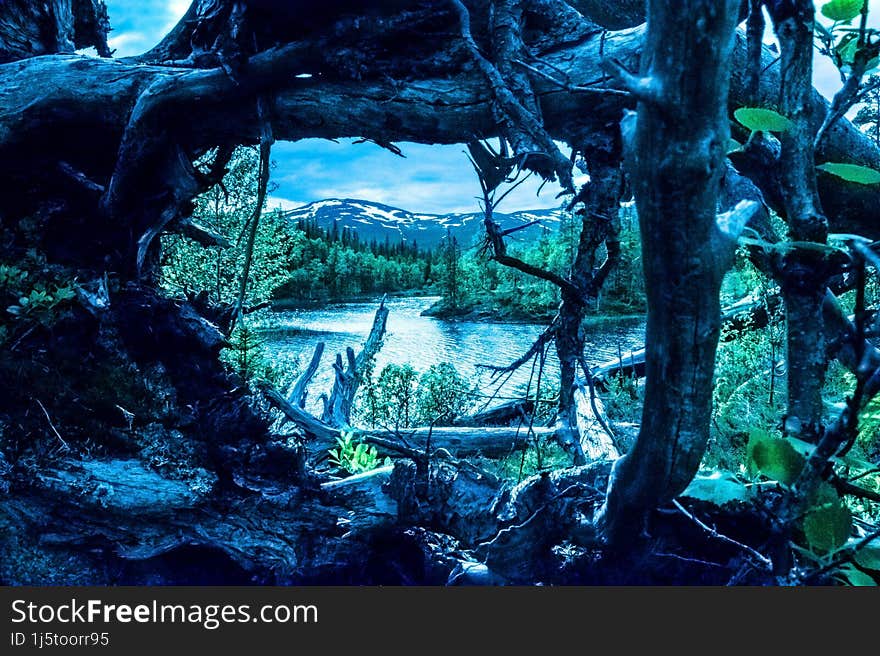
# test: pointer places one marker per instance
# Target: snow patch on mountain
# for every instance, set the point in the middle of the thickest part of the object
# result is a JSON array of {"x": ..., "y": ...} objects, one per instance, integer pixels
[{"x": 380, "y": 222}]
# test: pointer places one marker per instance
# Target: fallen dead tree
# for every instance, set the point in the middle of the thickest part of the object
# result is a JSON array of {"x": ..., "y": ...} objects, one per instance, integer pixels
[
  {"x": 590, "y": 434},
  {"x": 493, "y": 442},
  {"x": 504, "y": 414}
]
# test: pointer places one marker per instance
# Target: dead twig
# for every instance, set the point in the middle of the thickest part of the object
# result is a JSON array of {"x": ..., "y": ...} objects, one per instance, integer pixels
[
  {"x": 51, "y": 425},
  {"x": 713, "y": 533}
]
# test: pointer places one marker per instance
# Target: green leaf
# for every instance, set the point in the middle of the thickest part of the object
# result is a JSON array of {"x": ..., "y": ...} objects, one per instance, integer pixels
[
  {"x": 847, "y": 48},
  {"x": 719, "y": 488},
  {"x": 851, "y": 172},
  {"x": 854, "y": 576},
  {"x": 828, "y": 523},
  {"x": 774, "y": 457},
  {"x": 733, "y": 146},
  {"x": 842, "y": 10},
  {"x": 801, "y": 446},
  {"x": 758, "y": 119},
  {"x": 869, "y": 556}
]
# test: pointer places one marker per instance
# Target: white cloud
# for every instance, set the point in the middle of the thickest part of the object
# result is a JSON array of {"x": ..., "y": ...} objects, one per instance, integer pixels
[
  {"x": 176, "y": 11},
  {"x": 128, "y": 43},
  {"x": 283, "y": 204}
]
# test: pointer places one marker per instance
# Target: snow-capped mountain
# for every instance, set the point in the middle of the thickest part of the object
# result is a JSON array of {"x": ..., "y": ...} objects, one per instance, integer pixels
[{"x": 376, "y": 221}]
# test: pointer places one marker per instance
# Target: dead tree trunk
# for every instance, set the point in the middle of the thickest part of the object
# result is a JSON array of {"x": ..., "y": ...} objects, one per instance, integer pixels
[
  {"x": 600, "y": 224},
  {"x": 337, "y": 411},
  {"x": 90, "y": 103},
  {"x": 29, "y": 29},
  {"x": 675, "y": 154}
]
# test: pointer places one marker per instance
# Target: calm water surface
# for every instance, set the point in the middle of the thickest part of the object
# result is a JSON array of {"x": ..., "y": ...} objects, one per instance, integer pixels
[{"x": 423, "y": 341}]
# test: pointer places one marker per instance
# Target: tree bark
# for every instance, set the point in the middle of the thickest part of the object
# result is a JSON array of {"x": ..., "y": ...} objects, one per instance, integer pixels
[
  {"x": 804, "y": 272},
  {"x": 347, "y": 380},
  {"x": 89, "y": 102},
  {"x": 30, "y": 29},
  {"x": 675, "y": 152}
]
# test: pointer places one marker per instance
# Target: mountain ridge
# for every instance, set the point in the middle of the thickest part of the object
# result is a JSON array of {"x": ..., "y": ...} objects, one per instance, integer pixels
[{"x": 377, "y": 221}]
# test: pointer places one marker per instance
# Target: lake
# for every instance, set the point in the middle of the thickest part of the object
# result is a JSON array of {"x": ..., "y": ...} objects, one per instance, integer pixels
[{"x": 423, "y": 341}]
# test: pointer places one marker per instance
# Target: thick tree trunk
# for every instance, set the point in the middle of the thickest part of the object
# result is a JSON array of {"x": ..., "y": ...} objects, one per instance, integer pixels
[
  {"x": 675, "y": 155},
  {"x": 804, "y": 273},
  {"x": 29, "y": 29},
  {"x": 569, "y": 340}
]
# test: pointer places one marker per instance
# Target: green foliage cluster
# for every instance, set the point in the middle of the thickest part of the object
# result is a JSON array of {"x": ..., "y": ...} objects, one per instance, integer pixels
[
  {"x": 400, "y": 398},
  {"x": 827, "y": 522},
  {"x": 248, "y": 356},
  {"x": 31, "y": 295},
  {"x": 749, "y": 377},
  {"x": 471, "y": 281},
  {"x": 188, "y": 266},
  {"x": 354, "y": 456}
]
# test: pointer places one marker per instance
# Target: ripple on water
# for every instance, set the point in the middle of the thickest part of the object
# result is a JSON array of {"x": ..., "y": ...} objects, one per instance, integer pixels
[{"x": 424, "y": 341}]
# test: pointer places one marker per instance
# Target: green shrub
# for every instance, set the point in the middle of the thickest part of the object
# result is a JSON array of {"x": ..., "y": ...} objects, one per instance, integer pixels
[
  {"x": 442, "y": 395},
  {"x": 355, "y": 456}
]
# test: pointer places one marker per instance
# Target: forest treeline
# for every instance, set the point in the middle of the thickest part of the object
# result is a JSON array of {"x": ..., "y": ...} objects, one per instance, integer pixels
[{"x": 303, "y": 262}]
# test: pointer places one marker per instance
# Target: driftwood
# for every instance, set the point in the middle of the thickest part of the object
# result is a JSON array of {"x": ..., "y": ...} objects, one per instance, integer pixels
[
  {"x": 628, "y": 365},
  {"x": 337, "y": 411},
  {"x": 299, "y": 390},
  {"x": 747, "y": 314},
  {"x": 500, "y": 415},
  {"x": 491, "y": 442},
  {"x": 596, "y": 437}
]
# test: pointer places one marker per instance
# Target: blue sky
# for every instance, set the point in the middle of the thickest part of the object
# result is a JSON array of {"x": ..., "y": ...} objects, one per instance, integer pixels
[{"x": 435, "y": 179}]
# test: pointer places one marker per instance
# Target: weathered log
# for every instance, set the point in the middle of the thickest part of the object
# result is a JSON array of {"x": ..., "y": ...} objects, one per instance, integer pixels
[
  {"x": 629, "y": 365},
  {"x": 597, "y": 439},
  {"x": 364, "y": 494},
  {"x": 541, "y": 512},
  {"x": 504, "y": 414},
  {"x": 747, "y": 314},
  {"x": 337, "y": 411},
  {"x": 449, "y": 110},
  {"x": 120, "y": 515},
  {"x": 491, "y": 442},
  {"x": 29, "y": 29},
  {"x": 299, "y": 390},
  {"x": 750, "y": 314}
]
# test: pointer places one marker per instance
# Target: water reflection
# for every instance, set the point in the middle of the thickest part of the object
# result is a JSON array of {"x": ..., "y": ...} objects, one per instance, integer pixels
[{"x": 423, "y": 341}]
